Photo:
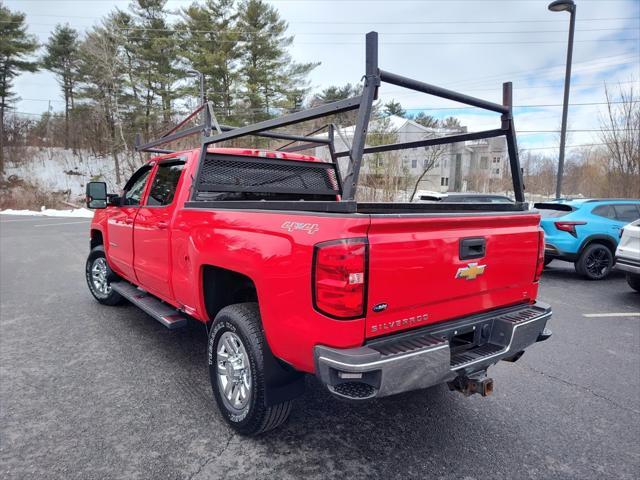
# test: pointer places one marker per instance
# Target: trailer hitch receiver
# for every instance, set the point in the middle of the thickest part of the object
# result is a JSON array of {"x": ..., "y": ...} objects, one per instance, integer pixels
[{"x": 468, "y": 386}]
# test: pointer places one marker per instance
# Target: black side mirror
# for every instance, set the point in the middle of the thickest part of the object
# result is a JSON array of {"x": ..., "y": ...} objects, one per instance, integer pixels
[{"x": 96, "y": 195}]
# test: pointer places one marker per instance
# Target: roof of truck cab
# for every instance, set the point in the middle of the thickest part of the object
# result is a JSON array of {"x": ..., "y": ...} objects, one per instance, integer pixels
[{"x": 245, "y": 152}]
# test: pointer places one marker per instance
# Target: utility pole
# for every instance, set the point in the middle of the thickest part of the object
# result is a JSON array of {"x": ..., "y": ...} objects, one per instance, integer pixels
[{"x": 565, "y": 6}]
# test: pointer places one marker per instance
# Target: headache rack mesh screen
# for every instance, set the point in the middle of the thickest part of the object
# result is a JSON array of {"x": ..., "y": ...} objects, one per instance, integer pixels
[{"x": 257, "y": 175}]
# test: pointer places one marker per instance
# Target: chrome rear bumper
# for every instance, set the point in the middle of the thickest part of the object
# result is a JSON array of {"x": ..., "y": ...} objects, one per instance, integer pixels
[{"x": 431, "y": 355}]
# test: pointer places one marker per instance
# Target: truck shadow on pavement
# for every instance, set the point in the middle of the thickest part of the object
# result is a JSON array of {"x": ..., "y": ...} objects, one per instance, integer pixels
[
  {"x": 326, "y": 437},
  {"x": 428, "y": 433}
]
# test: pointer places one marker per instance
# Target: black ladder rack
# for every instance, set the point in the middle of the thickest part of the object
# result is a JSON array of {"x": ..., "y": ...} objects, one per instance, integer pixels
[{"x": 374, "y": 77}]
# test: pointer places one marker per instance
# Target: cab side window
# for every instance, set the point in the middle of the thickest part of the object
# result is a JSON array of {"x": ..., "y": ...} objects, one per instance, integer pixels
[
  {"x": 134, "y": 188},
  {"x": 165, "y": 183}
]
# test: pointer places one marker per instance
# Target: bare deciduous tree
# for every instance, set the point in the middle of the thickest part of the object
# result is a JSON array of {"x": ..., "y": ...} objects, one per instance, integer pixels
[
  {"x": 104, "y": 82},
  {"x": 431, "y": 158},
  {"x": 385, "y": 177},
  {"x": 620, "y": 132}
]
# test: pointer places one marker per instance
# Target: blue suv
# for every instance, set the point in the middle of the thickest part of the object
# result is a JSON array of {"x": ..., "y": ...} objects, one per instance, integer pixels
[{"x": 585, "y": 232}]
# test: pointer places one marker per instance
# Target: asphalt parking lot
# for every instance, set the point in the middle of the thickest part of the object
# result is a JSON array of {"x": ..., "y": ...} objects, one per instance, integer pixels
[{"x": 88, "y": 391}]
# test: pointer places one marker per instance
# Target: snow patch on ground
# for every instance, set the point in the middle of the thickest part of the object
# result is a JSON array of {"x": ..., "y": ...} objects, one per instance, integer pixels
[
  {"x": 50, "y": 212},
  {"x": 61, "y": 170}
]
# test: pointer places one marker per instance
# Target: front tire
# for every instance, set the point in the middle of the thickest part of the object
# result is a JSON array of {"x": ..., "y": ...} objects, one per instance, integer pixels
[
  {"x": 99, "y": 277},
  {"x": 595, "y": 262},
  {"x": 235, "y": 353},
  {"x": 633, "y": 279}
]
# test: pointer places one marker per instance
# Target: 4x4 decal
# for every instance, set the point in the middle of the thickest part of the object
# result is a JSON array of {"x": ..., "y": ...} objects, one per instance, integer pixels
[{"x": 310, "y": 228}]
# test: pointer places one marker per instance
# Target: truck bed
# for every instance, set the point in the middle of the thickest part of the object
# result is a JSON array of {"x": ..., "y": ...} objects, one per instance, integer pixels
[{"x": 414, "y": 253}]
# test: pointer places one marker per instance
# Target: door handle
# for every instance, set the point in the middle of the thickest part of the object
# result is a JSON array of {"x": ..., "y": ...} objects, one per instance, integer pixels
[
  {"x": 471, "y": 248},
  {"x": 128, "y": 221},
  {"x": 162, "y": 225}
]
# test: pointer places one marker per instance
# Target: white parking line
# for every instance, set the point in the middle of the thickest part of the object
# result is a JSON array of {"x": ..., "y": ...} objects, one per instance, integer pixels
[
  {"x": 621, "y": 314},
  {"x": 55, "y": 224}
]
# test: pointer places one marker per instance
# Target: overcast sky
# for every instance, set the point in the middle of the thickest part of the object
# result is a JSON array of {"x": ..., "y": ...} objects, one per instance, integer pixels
[{"x": 468, "y": 45}]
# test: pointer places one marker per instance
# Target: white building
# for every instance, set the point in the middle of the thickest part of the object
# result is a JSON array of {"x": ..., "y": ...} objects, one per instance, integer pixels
[{"x": 459, "y": 167}]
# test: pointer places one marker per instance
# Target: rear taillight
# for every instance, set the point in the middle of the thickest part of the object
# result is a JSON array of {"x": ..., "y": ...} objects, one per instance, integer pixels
[
  {"x": 540, "y": 261},
  {"x": 340, "y": 278},
  {"x": 569, "y": 227}
]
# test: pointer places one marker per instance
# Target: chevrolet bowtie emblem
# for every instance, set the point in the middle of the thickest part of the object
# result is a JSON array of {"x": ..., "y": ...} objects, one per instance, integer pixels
[{"x": 471, "y": 271}]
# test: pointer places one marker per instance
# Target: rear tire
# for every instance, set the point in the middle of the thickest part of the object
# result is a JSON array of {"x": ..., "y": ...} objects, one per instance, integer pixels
[
  {"x": 595, "y": 262},
  {"x": 547, "y": 260},
  {"x": 633, "y": 279},
  {"x": 99, "y": 277},
  {"x": 235, "y": 353}
]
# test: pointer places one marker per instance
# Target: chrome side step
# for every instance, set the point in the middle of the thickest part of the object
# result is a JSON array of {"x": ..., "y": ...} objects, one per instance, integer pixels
[{"x": 163, "y": 313}]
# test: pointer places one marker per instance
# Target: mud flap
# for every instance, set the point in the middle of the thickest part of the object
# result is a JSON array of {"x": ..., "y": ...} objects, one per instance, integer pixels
[{"x": 282, "y": 382}]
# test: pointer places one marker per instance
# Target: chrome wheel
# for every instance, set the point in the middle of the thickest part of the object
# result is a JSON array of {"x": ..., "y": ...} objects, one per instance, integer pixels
[
  {"x": 99, "y": 276},
  {"x": 234, "y": 371}
]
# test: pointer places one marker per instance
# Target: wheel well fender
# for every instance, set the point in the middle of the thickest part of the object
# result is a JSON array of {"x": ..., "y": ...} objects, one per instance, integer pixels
[
  {"x": 222, "y": 287},
  {"x": 607, "y": 240},
  {"x": 96, "y": 238}
]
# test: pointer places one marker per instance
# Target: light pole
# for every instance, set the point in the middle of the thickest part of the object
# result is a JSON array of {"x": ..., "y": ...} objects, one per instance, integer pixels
[{"x": 565, "y": 6}]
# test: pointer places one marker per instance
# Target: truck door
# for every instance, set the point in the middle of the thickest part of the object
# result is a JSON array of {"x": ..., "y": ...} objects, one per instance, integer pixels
[
  {"x": 120, "y": 224},
  {"x": 152, "y": 232}
]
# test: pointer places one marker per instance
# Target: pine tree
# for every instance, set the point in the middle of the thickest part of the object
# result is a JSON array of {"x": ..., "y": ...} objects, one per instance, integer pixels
[
  {"x": 394, "y": 108},
  {"x": 335, "y": 93},
  {"x": 102, "y": 73},
  {"x": 62, "y": 58},
  {"x": 451, "y": 122},
  {"x": 213, "y": 48},
  {"x": 122, "y": 25},
  {"x": 426, "y": 120},
  {"x": 16, "y": 45},
  {"x": 151, "y": 46},
  {"x": 270, "y": 78}
]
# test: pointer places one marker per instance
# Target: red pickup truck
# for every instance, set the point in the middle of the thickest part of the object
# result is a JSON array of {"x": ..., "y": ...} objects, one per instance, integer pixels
[{"x": 292, "y": 276}]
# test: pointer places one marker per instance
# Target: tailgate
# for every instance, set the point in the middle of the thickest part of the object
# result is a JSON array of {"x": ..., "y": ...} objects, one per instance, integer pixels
[{"x": 416, "y": 275}]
